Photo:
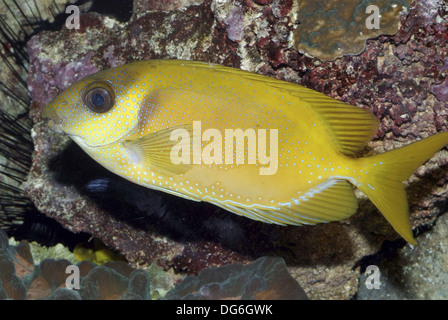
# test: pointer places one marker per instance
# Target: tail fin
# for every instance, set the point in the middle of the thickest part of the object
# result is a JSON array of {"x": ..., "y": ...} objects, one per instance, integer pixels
[{"x": 383, "y": 185}]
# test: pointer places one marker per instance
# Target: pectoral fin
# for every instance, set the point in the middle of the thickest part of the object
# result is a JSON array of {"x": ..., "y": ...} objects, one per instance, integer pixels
[{"x": 161, "y": 151}]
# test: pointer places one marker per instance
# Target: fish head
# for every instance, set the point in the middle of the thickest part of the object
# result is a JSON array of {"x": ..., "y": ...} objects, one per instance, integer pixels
[{"x": 98, "y": 110}]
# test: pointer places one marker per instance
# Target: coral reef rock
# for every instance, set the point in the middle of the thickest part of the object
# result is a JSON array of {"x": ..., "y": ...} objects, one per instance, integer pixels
[
  {"x": 330, "y": 29},
  {"x": 412, "y": 272},
  {"x": 21, "y": 279},
  {"x": 264, "y": 279}
]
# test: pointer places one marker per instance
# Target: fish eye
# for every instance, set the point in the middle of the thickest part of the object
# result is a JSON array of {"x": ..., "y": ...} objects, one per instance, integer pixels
[{"x": 99, "y": 98}]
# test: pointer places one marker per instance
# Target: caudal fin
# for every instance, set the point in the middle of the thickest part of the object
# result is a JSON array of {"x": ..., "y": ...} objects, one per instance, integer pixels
[{"x": 383, "y": 184}]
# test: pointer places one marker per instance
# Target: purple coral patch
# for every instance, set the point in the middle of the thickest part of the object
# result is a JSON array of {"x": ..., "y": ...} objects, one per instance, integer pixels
[
  {"x": 73, "y": 71},
  {"x": 441, "y": 91},
  {"x": 235, "y": 22}
]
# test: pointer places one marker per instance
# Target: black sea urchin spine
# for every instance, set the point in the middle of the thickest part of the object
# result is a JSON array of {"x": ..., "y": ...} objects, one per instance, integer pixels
[
  {"x": 18, "y": 215},
  {"x": 16, "y": 145}
]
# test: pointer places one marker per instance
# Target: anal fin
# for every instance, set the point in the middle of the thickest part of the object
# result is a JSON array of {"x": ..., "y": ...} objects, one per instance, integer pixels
[{"x": 332, "y": 200}]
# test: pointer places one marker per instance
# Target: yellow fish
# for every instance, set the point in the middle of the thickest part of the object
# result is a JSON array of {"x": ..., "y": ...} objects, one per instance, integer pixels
[
  {"x": 96, "y": 252},
  {"x": 267, "y": 149}
]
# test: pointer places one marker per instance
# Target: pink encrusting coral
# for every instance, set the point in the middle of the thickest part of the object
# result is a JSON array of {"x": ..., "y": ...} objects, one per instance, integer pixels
[{"x": 441, "y": 90}]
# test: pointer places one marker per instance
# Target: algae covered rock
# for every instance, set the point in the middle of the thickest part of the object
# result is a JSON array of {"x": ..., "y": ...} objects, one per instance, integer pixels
[
  {"x": 331, "y": 29},
  {"x": 411, "y": 272}
]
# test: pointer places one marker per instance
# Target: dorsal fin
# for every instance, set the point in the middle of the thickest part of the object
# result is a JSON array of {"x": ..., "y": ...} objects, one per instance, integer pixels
[{"x": 350, "y": 127}]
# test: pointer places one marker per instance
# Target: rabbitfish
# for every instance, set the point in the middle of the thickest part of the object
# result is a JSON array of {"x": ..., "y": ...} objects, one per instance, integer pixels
[{"x": 267, "y": 149}]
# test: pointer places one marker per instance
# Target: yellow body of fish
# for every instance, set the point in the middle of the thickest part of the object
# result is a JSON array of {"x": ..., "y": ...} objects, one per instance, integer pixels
[
  {"x": 174, "y": 126},
  {"x": 96, "y": 252}
]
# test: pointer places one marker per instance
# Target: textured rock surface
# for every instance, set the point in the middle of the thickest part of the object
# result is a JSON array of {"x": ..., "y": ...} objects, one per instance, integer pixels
[
  {"x": 330, "y": 29},
  {"x": 413, "y": 272},
  {"x": 400, "y": 78},
  {"x": 264, "y": 279}
]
